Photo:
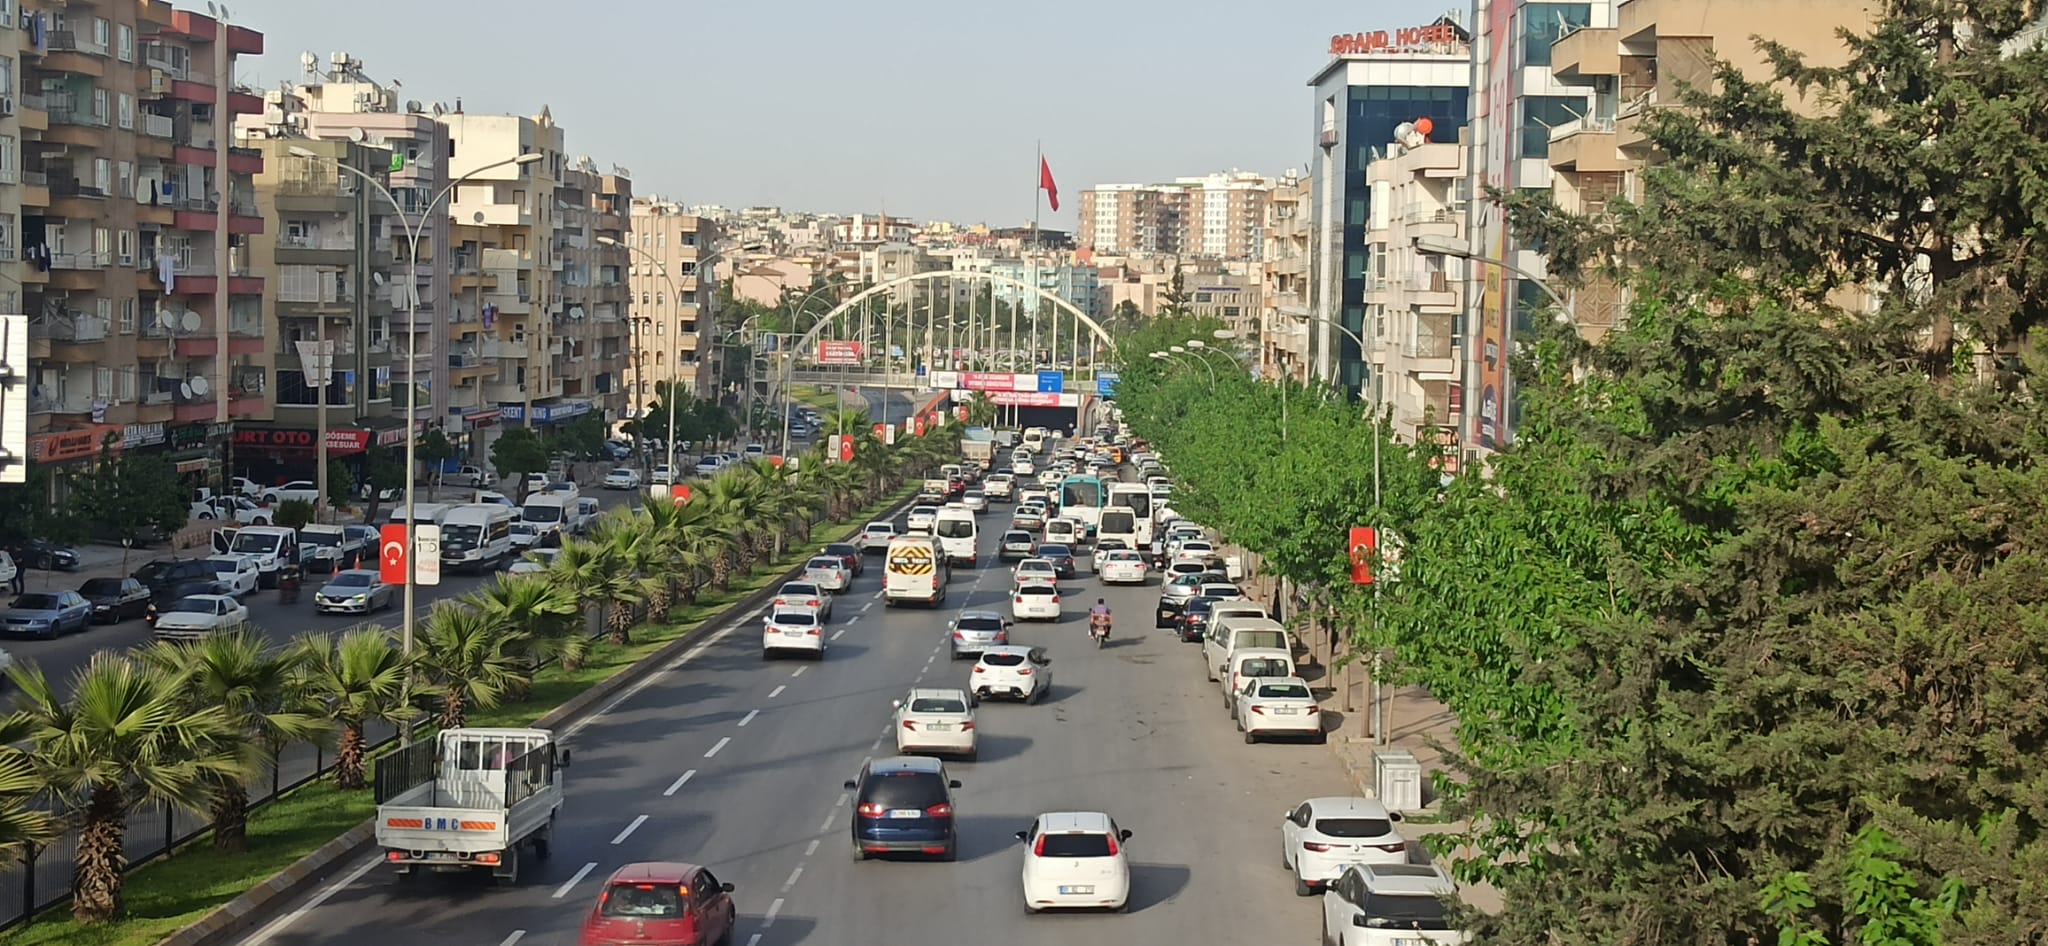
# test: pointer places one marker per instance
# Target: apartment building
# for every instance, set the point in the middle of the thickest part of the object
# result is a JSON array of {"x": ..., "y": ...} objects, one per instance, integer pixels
[
  {"x": 514, "y": 208},
  {"x": 1414, "y": 303},
  {"x": 328, "y": 261},
  {"x": 671, "y": 325},
  {"x": 1634, "y": 58},
  {"x": 590, "y": 313},
  {"x": 130, "y": 212},
  {"x": 1216, "y": 216},
  {"x": 1284, "y": 312}
]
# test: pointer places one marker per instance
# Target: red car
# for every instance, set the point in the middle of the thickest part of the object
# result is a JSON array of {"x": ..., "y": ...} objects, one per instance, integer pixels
[
  {"x": 660, "y": 903},
  {"x": 848, "y": 552}
]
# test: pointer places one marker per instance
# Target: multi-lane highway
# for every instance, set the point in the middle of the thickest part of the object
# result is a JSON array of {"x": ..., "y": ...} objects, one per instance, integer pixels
[{"x": 737, "y": 763}]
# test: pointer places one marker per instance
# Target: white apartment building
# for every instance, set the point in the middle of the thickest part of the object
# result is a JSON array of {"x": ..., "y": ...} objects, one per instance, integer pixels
[
  {"x": 1214, "y": 216},
  {"x": 671, "y": 319},
  {"x": 1413, "y": 302}
]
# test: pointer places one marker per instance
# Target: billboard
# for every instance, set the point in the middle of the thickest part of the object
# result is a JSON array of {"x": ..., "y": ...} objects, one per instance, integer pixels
[
  {"x": 838, "y": 353},
  {"x": 1496, "y": 302}
]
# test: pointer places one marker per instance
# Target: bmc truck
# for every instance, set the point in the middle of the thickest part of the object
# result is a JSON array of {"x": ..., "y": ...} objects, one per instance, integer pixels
[
  {"x": 979, "y": 444},
  {"x": 470, "y": 800},
  {"x": 917, "y": 571}
]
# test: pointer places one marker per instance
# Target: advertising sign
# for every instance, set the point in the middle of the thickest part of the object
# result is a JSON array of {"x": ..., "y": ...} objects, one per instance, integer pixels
[
  {"x": 428, "y": 547},
  {"x": 1028, "y": 399},
  {"x": 838, "y": 353},
  {"x": 1429, "y": 38},
  {"x": 1495, "y": 302}
]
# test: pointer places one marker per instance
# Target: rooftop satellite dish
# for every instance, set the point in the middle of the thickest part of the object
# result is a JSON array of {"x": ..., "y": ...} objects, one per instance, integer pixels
[
  {"x": 199, "y": 385},
  {"x": 440, "y": 110},
  {"x": 377, "y": 278},
  {"x": 309, "y": 62},
  {"x": 478, "y": 216},
  {"x": 164, "y": 319},
  {"x": 185, "y": 390},
  {"x": 356, "y": 135},
  {"x": 190, "y": 321},
  {"x": 412, "y": 106}
]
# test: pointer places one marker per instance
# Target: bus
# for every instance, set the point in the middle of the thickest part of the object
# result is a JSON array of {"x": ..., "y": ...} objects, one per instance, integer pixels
[
  {"x": 1081, "y": 498},
  {"x": 1137, "y": 498}
]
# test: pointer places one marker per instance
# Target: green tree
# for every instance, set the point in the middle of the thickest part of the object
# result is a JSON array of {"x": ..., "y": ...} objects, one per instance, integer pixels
[
  {"x": 432, "y": 451},
  {"x": 581, "y": 438},
  {"x": 467, "y": 658},
  {"x": 517, "y": 452},
  {"x": 542, "y": 609},
  {"x": 600, "y": 573},
  {"x": 359, "y": 678},
  {"x": 293, "y": 513},
  {"x": 341, "y": 483},
  {"x": 1175, "y": 302},
  {"x": 23, "y": 826},
  {"x": 125, "y": 738},
  {"x": 1126, "y": 317},
  {"x": 26, "y": 510},
  {"x": 384, "y": 469},
  {"x": 135, "y": 497}
]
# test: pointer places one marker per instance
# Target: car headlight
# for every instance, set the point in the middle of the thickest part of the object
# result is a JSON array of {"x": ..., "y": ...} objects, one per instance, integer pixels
[{"x": 365, "y": 596}]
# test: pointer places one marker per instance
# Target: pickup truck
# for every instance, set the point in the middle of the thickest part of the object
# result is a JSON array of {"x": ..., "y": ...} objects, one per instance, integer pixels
[
  {"x": 471, "y": 799},
  {"x": 325, "y": 548},
  {"x": 934, "y": 492}
]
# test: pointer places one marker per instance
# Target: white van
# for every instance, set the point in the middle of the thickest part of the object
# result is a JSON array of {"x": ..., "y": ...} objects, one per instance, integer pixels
[
  {"x": 422, "y": 513},
  {"x": 273, "y": 547},
  {"x": 917, "y": 571},
  {"x": 955, "y": 529},
  {"x": 548, "y": 509},
  {"x": 1034, "y": 439},
  {"x": 1228, "y": 635},
  {"x": 476, "y": 536}
]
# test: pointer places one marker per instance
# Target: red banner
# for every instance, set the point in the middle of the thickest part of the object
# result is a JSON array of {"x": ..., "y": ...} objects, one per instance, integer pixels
[
  {"x": 838, "y": 353},
  {"x": 391, "y": 554},
  {"x": 338, "y": 441},
  {"x": 1365, "y": 542},
  {"x": 881, "y": 432},
  {"x": 846, "y": 449},
  {"x": 920, "y": 425}
]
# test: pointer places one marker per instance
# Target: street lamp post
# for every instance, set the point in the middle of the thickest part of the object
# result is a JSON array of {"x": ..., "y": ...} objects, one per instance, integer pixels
[{"x": 412, "y": 441}]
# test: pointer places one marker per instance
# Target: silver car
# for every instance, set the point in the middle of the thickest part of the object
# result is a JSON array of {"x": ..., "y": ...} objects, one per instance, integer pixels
[{"x": 975, "y": 631}]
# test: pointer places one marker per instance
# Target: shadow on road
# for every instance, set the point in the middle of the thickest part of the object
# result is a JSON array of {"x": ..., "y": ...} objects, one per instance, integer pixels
[{"x": 1156, "y": 884}]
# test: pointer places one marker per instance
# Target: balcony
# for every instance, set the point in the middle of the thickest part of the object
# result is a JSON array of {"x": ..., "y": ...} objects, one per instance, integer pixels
[
  {"x": 78, "y": 271},
  {"x": 32, "y": 109},
  {"x": 1584, "y": 53},
  {"x": 1586, "y": 145},
  {"x": 67, "y": 51},
  {"x": 197, "y": 213},
  {"x": 1432, "y": 351},
  {"x": 69, "y": 198},
  {"x": 495, "y": 349},
  {"x": 1430, "y": 220},
  {"x": 158, "y": 126},
  {"x": 1433, "y": 291},
  {"x": 315, "y": 248},
  {"x": 307, "y": 190}
]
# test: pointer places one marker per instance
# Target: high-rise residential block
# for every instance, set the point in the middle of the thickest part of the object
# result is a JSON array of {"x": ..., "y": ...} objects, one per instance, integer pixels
[
  {"x": 1284, "y": 324},
  {"x": 130, "y": 212},
  {"x": 592, "y": 207},
  {"x": 671, "y": 330},
  {"x": 1216, "y": 216}
]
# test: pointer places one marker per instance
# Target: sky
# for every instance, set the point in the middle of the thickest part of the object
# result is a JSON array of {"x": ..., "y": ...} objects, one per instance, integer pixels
[{"x": 933, "y": 110}]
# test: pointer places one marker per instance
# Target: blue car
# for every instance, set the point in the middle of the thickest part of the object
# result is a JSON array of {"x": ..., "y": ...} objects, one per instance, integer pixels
[
  {"x": 904, "y": 805},
  {"x": 46, "y": 614}
]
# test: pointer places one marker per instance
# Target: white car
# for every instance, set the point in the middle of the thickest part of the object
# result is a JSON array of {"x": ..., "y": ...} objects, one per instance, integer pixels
[
  {"x": 1035, "y": 601},
  {"x": 488, "y": 497},
  {"x": 1022, "y": 466},
  {"x": 660, "y": 475},
  {"x": 238, "y": 508},
  {"x": 623, "y": 477},
  {"x": 876, "y": 535},
  {"x": 302, "y": 490},
  {"x": 803, "y": 595},
  {"x": 1035, "y": 569},
  {"x": 1063, "y": 532},
  {"x": 976, "y": 500},
  {"x": 1278, "y": 706},
  {"x": 1009, "y": 672},
  {"x": 935, "y": 720},
  {"x": 709, "y": 466},
  {"x": 240, "y": 573},
  {"x": 829, "y": 573},
  {"x": 799, "y": 630},
  {"x": 533, "y": 562},
  {"x": 200, "y": 615},
  {"x": 1390, "y": 905},
  {"x": 527, "y": 535},
  {"x": 1121, "y": 567},
  {"x": 1075, "y": 860},
  {"x": 1322, "y": 835},
  {"x": 921, "y": 518}
]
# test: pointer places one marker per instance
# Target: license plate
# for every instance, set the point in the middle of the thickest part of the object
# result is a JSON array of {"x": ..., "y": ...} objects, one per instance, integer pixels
[
  {"x": 792, "y": 633},
  {"x": 1411, "y": 941},
  {"x": 940, "y": 727},
  {"x": 1082, "y": 889},
  {"x": 1286, "y": 711},
  {"x": 904, "y": 813}
]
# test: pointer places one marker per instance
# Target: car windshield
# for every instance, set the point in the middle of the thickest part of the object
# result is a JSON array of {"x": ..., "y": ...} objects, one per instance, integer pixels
[
  {"x": 1074, "y": 845},
  {"x": 192, "y": 606},
  {"x": 1283, "y": 691},
  {"x": 1017, "y": 537},
  {"x": 1003, "y": 660},
  {"x": 1121, "y": 555},
  {"x": 351, "y": 580},
  {"x": 460, "y": 536},
  {"x": 320, "y": 539},
  {"x": 1035, "y": 566},
  {"x": 643, "y": 901},
  {"x": 258, "y": 543},
  {"x": 925, "y": 511},
  {"x": 37, "y": 602},
  {"x": 842, "y": 548},
  {"x": 623, "y": 473},
  {"x": 101, "y": 586},
  {"x": 1200, "y": 605},
  {"x": 800, "y": 589},
  {"x": 938, "y": 704},
  {"x": 797, "y": 618},
  {"x": 829, "y": 564},
  {"x": 1409, "y": 911},
  {"x": 1038, "y": 591},
  {"x": 956, "y": 528},
  {"x": 543, "y": 514},
  {"x": 1354, "y": 827},
  {"x": 1264, "y": 667},
  {"x": 224, "y": 566}
]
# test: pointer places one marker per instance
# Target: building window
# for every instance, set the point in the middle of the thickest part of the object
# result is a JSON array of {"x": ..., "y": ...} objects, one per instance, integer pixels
[
  {"x": 99, "y": 34},
  {"x": 125, "y": 34},
  {"x": 1541, "y": 113},
  {"x": 127, "y": 111},
  {"x": 126, "y": 321},
  {"x": 1543, "y": 23}
]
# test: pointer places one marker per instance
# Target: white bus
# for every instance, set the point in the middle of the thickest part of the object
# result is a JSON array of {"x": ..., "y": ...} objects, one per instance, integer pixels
[{"x": 1138, "y": 499}]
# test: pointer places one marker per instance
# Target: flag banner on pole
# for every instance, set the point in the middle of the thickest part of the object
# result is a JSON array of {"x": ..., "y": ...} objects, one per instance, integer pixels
[{"x": 1052, "y": 191}]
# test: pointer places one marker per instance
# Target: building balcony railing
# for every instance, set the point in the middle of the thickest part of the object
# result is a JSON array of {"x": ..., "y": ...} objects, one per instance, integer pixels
[
  {"x": 35, "y": 178},
  {"x": 73, "y": 327},
  {"x": 69, "y": 41},
  {"x": 68, "y": 115},
  {"x": 315, "y": 242},
  {"x": 159, "y": 126}
]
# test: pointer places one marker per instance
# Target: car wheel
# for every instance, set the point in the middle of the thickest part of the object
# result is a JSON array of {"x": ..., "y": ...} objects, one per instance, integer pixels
[
  {"x": 858, "y": 854},
  {"x": 951, "y": 854},
  {"x": 1301, "y": 887},
  {"x": 259, "y": 521},
  {"x": 1322, "y": 738},
  {"x": 1251, "y": 738},
  {"x": 767, "y": 655}
]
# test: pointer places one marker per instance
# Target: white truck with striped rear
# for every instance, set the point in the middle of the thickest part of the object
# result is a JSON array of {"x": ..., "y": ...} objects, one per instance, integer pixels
[{"x": 471, "y": 799}]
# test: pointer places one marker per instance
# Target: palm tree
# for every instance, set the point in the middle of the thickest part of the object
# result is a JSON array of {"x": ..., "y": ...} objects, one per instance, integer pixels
[
  {"x": 21, "y": 827},
  {"x": 701, "y": 546},
  {"x": 467, "y": 659},
  {"x": 260, "y": 691},
  {"x": 599, "y": 572},
  {"x": 547, "y": 611},
  {"x": 126, "y": 738},
  {"x": 361, "y": 678}
]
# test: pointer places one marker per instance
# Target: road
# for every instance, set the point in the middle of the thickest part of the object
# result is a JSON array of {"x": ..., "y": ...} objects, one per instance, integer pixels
[{"x": 737, "y": 763}]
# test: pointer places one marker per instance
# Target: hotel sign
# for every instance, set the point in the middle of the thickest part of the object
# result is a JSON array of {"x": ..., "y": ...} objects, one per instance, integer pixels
[{"x": 1407, "y": 39}]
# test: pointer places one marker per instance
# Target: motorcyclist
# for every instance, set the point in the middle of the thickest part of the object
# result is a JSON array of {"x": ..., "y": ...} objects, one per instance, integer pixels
[{"x": 1099, "y": 617}]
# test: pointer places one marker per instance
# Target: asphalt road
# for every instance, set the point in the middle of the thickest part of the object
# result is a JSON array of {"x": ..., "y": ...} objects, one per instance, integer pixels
[{"x": 737, "y": 763}]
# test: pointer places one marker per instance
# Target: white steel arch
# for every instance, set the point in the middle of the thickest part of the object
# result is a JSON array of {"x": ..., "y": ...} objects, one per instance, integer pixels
[{"x": 1101, "y": 334}]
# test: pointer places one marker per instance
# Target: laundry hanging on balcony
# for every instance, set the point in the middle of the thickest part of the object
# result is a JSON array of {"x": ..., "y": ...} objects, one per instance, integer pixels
[{"x": 167, "y": 270}]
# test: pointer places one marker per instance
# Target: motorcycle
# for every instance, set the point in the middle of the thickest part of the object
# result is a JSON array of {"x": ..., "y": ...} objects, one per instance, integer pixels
[{"x": 1098, "y": 628}]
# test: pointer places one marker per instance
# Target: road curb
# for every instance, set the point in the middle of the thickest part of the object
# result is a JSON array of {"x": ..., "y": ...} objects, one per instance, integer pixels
[{"x": 237, "y": 916}]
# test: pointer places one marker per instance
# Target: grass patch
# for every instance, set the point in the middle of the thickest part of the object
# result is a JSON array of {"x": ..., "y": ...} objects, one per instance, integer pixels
[
  {"x": 169, "y": 894},
  {"x": 816, "y": 395}
]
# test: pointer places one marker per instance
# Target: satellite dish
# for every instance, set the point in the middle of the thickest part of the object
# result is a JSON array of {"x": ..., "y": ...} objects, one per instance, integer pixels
[
  {"x": 478, "y": 216},
  {"x": 164, "y": 319},
  {"x": 412, "y": 106},
  {"x": 198, "y": 385},
  {"x": 377, "y": 277},
  {"x": 309, "y": 62},
  {"x": 190, "y": 321},
  {"x": 440, "y": 110},
  {"x": 185, "y": 390},
  {"x": 356, "y": 135}
]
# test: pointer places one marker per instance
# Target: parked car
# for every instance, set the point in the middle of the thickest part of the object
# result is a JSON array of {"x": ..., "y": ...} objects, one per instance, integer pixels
[
  {"x": 1277, "y": 706},
  {"x": 1383, "y": 904},
  {"x": 199, "y": 615},
  {"x": 624, "y": 478},
  {"x": 44, "y": 555},
  {"x": 46, "y": 614},
  {"x": 302, "y": 490},
  {"x": 239, "y": 573},
  {"x": 238, "y": 508},
  {"x": 1321, "y": 835},
  {"x": 115, "y": 600}
]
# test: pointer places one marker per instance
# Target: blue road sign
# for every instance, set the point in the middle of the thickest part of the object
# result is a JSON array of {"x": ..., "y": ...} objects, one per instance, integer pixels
[
  {"x": 1052, "y": 382},
  {"x": 1105, "y": 383}
]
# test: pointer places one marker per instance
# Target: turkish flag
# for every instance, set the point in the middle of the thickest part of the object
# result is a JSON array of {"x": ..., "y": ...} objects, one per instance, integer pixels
[
  {"x": 920, "y": 425},
  {"x": 1052, "y": 191},
  {"x": 846, "y": 449},
  {"x": 1365, "y": 543},
  {"x": 680, "y": 492},
  {"x": 392, "y": 546}
]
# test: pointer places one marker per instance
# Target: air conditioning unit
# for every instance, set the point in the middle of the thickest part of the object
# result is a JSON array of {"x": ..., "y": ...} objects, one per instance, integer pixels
[
  {"x": 6, "y": 104},
  {"x": 159, "y": 82}
]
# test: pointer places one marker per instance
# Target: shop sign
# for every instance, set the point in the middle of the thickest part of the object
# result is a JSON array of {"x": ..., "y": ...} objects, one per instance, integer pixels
[
  {"x": 71, "y": 444},
  {"x": 141, "y": 435},
  {"x": 280, "y": 438}
]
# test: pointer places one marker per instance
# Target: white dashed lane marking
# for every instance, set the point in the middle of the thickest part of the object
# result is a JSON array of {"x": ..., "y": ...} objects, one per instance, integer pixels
[
  {"x": 571, "y": 883},
  {"x": 749, "y": 717},
  {"x": 799, "y": 671},
  {"x": 723, "y": 741},
  {"x": 678, "y": 784},
  {"x": 811, "y": 848},
  {"x": 793, "y": 875},
  {"x": 835, "y": 634},
  {"x": 774, "y": 910},
  {"x": 513, "y": 937},
  {"x": 621, "y": 837},
  {"x": 777, "y": 691}
]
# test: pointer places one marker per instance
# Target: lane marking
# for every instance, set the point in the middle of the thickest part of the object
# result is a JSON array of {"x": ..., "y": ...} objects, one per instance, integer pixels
[
  {"x": 844, "y": 797},
  {"x": 571, "y": 883},
  {"x": 835, "y": 634},
  {"x": 656, "y": 676},
  {"x": 723, "y": 741},
  {"x": 827, "y": 826},
  {"x": 799, "y": 672},
  {"x": 877, "y": 744},
  {"x": 749, "y": 717},
  {"x": 777, "y": 691},
  {"x": 515, "y": 937},
  {"x": 621, "y": 837},
  {"x": 864, "y": 608},
  {"x": 793, "y": 875},
  {"x": 678, "y": 785},
  {"x": 811, "y": 848},
  {"x": 774, "y": 910},
  {"x": 344, "y": 882},
  {"x": 754, "y": 940}
]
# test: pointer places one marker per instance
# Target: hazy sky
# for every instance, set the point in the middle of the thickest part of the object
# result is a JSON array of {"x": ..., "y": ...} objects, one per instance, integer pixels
[{"x": 927, "y": 109}]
